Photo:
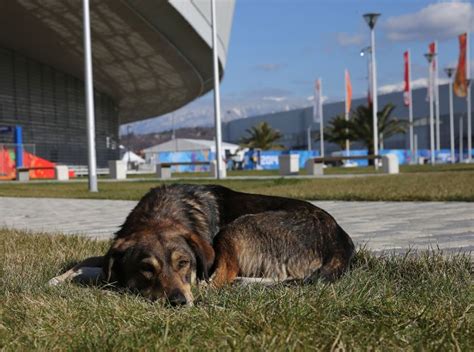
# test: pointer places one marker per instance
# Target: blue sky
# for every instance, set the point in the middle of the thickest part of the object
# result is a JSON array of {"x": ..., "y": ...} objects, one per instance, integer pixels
[{"x": 279, "y": 47}]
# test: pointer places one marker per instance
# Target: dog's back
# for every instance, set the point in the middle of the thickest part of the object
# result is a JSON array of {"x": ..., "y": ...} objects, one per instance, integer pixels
[{"x": 282, "y": 245}]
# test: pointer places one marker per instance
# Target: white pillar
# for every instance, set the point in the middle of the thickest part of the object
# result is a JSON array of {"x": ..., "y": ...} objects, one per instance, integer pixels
[
  {"x": 374, "y": 97},
  {"x": 217, "y": 98},
  {"x": 89, "y": 90}
]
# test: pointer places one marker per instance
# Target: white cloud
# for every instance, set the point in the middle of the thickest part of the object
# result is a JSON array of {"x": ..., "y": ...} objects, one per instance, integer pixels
[
  {"x": 398, "y": 87},
  {"x": 436, "y": 21},
  {"x": 274, "y": 98},
  {"x": 324, "y": 98},
  {"x": 347, "y": 39}
]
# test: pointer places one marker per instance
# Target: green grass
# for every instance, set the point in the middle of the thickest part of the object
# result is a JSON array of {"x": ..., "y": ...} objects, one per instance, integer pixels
[
  {"x": 327, "y": 171},
  {"x": 421, "y": 302},
  {"x": 420, "y": 186}
]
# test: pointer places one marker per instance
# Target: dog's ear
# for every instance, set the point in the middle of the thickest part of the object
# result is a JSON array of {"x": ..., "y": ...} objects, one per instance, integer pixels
[
  {"x": 204, "y": 255},
  {"x": 111, "y": 259}
]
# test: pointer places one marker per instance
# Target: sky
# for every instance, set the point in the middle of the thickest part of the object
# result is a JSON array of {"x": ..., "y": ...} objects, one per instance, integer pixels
[{"x": 279, "y": 47}]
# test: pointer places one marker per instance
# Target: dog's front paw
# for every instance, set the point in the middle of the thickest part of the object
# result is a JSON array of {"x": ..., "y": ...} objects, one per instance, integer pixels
[{"x": 55, "y": 281}]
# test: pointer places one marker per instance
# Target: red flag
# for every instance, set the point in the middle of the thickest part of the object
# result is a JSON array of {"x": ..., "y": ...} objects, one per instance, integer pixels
[
  {"x": 406, "y": 89},
  {"x": 460, "y": 81},
  {"x": 348, "y": 91}
]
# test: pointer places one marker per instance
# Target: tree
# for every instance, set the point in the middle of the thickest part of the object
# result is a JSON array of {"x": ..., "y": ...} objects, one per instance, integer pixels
[
  {"x": 361, "y": 125},
  {"x": 262, "y": 136},
  {"x": 337, "y": 131}
]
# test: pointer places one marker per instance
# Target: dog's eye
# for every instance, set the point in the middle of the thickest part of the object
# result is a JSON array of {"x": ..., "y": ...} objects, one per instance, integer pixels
[
  {"x": 147, "y": 274},
  {"x": 183, "y": 263}
]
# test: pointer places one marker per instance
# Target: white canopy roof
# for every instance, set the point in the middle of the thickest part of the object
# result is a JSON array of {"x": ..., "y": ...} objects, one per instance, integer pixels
[
  {"x": 132, "y": 157},
  {"x": 187, "y": 144}
]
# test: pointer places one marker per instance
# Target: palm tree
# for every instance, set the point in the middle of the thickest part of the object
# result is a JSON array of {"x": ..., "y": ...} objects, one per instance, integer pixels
[
  {"x": 361, "y": 125},
  {"x": 337, "y": 131},
  {"x": 262, "y": 136}
]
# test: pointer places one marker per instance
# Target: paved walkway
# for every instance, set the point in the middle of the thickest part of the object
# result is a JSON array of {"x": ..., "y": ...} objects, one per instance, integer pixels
[{"x": 378, "y": 225}]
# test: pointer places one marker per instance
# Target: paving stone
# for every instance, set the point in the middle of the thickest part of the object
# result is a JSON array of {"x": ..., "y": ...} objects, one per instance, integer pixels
[{"x": 377, "y": 225}]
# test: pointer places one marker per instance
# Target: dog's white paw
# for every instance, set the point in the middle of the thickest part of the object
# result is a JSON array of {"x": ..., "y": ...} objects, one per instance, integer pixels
[{"x": 54, "y": 282}]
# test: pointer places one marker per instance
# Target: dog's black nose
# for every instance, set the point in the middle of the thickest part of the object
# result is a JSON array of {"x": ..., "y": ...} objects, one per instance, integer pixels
[{"x": 176, "y": 298}]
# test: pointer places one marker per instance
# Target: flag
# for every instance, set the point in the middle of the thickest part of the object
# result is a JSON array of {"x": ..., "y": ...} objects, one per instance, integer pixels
[
  {"x": 348, "y": 92},
  {"x": 317, "y": 101},
  {"x": 406, "y": 89},
  {"x": 460, "y": 80}
]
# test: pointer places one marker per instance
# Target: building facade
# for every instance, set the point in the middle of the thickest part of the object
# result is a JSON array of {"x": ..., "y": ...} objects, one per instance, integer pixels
[
  {"x": 150, "y": 57},
  {"x": 293, "y": 124}
]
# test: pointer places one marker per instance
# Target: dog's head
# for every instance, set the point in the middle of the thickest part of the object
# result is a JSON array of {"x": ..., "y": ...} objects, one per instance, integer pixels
[{"x": 160, "y": 264}]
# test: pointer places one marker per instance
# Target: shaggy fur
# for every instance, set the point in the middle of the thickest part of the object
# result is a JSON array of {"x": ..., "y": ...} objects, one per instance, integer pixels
[{"x": 168, "y": 240}]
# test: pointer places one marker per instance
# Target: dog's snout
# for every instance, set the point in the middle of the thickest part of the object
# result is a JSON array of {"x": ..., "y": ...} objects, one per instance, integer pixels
[{"x": 177, "y": 298}]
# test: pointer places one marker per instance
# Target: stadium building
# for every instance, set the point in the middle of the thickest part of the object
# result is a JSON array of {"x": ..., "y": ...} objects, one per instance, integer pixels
[
  {"x": 293, "y": 124},
  {"x": 150, "y": 57}
]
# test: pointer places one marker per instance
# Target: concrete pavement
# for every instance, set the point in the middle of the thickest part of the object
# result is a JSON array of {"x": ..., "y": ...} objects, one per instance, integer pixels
[{"x": 378, "y": 225}]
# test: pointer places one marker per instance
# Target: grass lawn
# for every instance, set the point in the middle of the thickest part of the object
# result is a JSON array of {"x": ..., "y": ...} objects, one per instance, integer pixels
[
  {"x": 328, "y": 171},
  {"x": 443, "y": 185},
  {"x": 419, "y": 302}
]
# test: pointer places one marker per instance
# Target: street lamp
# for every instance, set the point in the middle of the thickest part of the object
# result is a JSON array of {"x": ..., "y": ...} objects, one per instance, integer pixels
[
  {"x": 430, "y": 57},
  {"x": 371, "y": 19},
  {"x": 449, "y": 72}
]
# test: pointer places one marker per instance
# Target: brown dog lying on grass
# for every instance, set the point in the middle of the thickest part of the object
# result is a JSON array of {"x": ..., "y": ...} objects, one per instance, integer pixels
[{"x": 168, "y": 242}]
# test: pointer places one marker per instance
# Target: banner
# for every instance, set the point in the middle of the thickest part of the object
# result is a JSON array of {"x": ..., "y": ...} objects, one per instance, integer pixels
[
  {"x": 348, "y": 92},
  {"x": 317, "y": 101},
  {"x": 460, "y": 80},
  {"x": 406, "y": 89}
]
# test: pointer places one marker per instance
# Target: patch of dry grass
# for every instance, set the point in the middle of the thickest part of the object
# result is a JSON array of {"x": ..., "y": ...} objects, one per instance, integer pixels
[{"x": 418, "y": 302}]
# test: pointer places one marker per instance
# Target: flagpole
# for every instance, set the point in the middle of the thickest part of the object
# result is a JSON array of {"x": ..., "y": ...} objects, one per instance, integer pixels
[
  {"x": 346, "y": 112},
  {"x": 449, "y": 72},
  {"x": 321, "y": 122},
  {"x": 430, "y": 56},
  {"x": 436, "y": 96},
  {"x": 469, "y": 112},
  {"x": 461, "y": 137},
  {"x": 410, "y": 106},
  {"x": 308, "y": 136}
]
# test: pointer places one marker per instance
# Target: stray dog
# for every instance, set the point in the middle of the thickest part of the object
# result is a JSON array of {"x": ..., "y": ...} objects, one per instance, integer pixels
[
  {"x": 167, "y": 241},
  {"x": 282, "y": 246}
]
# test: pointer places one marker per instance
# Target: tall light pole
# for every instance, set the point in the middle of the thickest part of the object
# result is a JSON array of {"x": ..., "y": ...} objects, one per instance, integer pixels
[
  {"x": 469, "y": 108},
  {"x": 449, "y": 72},
  {"x": 217, "y": 99},
  {"x": 89, "y": 90},
  {"x": 371, "y": 19},
  {"x": 430, "y": 57}
]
